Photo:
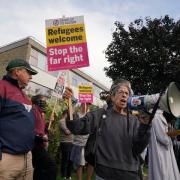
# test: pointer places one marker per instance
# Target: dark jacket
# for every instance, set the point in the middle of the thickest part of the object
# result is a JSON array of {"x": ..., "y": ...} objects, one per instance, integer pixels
[
  {"x": 118, "y": 148},
  {"x": 16, "y": 118},
  {"x": 39, "y": 121}
]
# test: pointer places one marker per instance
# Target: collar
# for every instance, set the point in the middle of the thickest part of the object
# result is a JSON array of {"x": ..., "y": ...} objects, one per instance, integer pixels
[{"x": 11, "y": 80}]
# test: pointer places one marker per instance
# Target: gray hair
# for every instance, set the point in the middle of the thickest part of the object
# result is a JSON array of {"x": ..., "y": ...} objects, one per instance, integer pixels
[{"x": 116, "y": 86}]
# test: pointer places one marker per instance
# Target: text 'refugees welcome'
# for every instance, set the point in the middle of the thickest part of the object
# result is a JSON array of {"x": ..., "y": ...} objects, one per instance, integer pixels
[{"x": 63, "y": 35}]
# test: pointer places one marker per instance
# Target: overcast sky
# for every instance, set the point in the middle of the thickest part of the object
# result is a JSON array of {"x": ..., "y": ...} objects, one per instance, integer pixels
[{"x": 22, "y": 18}]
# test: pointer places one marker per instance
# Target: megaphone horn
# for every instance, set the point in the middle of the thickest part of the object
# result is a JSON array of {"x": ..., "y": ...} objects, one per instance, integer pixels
[
  {"x": 145, "y": 102},
  {"x": 169, "y": 102}
]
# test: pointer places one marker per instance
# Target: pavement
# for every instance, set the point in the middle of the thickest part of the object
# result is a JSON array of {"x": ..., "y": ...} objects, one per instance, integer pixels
[{"x": 145, "y": 177}]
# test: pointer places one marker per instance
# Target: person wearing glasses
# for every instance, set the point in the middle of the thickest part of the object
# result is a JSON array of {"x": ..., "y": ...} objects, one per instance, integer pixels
[{"x": 121, "y": 138}]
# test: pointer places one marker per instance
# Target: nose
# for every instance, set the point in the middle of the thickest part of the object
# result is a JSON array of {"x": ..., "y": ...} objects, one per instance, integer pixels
[{"x": 124, "y": 94}]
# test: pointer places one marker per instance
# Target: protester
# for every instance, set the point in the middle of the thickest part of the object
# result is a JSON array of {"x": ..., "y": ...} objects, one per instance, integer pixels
[
  {"x": 79, "y": 142},
  {"x": 162, "y": 163},
  {"x": 44, "y": 166},
  {"x": 16, "y": 122},
  {"x": 65, "y": 147},
  {"x": 177, "y": 127},
  {"x": 120, "y": 140}
]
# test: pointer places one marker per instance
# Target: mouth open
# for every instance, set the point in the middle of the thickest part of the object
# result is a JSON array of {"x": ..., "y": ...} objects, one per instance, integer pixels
[{"x": 123, "y": 101}]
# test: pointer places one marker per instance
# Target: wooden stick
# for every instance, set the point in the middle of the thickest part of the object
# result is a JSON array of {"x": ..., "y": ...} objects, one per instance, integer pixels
[
  {"x": 50, "y": 122},
  {"x": 85, "y": 111},
  {"x": 69, "y": 100}
]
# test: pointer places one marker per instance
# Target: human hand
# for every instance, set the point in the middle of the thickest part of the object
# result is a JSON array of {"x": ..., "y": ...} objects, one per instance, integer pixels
[
  {"x": 144, "y": 117},
  {"x": 67, "y": 132},
  {"x": 45, "y": 142},
  {"x": 173, "y": 133},
  {"x": 68, "y": 93}
]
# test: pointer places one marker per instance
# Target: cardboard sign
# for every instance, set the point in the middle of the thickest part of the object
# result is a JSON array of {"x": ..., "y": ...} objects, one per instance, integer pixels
[
  {"x": 85, "y": 94},
  {"x": 66, "y": 43},
  {"x": 59, "y": 87}
]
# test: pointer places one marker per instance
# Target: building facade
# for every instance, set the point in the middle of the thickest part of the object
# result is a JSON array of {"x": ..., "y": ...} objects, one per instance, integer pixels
[{"x": 44, "y": 82}]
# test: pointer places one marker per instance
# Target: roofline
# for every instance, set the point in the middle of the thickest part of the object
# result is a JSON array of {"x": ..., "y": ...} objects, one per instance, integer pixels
[
  {"x": 28, "y": 40},
  {"x": 89, "y": 78}
]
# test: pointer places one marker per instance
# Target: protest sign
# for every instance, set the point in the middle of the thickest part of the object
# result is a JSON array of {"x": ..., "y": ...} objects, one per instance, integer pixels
[
  {"x": 85, "y": 94},
  {"x": 59, "y": 87},
  {"x": 66, "y": 43}
]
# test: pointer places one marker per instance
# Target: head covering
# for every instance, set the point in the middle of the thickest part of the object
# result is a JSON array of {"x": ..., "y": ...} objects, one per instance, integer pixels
[{"x": 20, "y": 63}]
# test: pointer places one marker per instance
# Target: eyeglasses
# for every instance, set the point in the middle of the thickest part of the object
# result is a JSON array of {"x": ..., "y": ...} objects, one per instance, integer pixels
[{"x": 122, "y": 93}]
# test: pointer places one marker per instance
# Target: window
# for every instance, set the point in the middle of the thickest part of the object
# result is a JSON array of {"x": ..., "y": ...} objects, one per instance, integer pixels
[
  {"x": 35, "y": 89},
  {"x": 38, "y": 59}
]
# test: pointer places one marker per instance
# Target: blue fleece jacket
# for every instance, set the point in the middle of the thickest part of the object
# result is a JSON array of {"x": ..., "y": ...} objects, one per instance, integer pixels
[{"x": 16, "y": 118}]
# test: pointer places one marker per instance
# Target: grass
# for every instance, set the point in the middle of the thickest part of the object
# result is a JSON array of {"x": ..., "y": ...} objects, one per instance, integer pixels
[
  {"x": 145, "y": 173},
  {"x": 74, "y": 176}
]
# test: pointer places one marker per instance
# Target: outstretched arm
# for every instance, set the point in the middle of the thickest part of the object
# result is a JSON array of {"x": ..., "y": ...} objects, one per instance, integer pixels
[
  {"x": 80, "y": 126},
  {"x": 141, "y": 136}
]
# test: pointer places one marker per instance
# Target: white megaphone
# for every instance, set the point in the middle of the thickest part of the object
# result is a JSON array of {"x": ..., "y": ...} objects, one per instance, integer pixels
[{"x": 169, "y": 102}]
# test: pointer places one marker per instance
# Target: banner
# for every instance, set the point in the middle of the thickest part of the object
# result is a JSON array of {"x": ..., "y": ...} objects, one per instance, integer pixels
[
  {"x": 85, "y": 94},
  {"x": 66, "y": 43}
]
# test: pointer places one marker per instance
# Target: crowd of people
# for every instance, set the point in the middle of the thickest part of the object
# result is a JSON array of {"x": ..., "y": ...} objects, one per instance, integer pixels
[{"x": 122, "y": 136}]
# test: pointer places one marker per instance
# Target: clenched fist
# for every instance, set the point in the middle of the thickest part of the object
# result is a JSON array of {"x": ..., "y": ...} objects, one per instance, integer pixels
[{"x": 68, "y": 93}]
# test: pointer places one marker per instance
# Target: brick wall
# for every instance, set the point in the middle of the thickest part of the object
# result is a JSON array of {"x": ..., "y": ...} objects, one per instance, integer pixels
[{"x": 22, "y": 52}]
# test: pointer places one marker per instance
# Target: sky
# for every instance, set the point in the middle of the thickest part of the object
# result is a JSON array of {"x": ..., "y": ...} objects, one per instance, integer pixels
[{"x": 22, "y": 18}]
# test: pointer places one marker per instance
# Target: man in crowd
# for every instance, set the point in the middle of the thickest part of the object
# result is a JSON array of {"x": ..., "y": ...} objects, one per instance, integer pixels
[
  {"x": 44, "y": 165},
  {"x": 66, "y": 140},
  {"x": 16, "y": 122},
  {"x": 162, "y": 163},
  {"x": 79, "y": 142}
]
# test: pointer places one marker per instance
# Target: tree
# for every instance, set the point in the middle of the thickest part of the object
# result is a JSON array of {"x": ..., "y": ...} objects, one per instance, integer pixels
[{"x": 147, "y": 54}]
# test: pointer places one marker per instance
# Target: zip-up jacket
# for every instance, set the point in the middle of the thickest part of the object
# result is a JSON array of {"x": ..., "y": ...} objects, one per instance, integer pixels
[
  {"x": 16, "y": 118},
  {"x": 117, "y": 148}
]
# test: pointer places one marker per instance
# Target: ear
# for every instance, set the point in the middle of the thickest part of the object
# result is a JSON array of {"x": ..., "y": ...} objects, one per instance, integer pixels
[{"x": 15, "y": 73}]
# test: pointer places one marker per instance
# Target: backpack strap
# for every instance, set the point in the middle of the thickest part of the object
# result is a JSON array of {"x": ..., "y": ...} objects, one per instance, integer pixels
[
  {"x": 100, "y": 124},
  {"x": 99, "y": 130}
]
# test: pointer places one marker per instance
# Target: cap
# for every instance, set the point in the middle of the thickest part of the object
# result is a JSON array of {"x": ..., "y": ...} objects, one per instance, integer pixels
[{"x": 15, "y": 63}]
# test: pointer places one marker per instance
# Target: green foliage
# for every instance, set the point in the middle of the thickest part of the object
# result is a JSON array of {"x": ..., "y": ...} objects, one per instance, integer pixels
[
  {"x": 54, "y": 132},
  {"x": 147, "y": 54},
  {"x": 93, "y": 107}
]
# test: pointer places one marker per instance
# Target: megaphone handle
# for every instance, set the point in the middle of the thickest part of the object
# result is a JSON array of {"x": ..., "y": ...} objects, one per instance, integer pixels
[
  {"x": 153, "y": 111},
  {"x": 155, "y": 108}
]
